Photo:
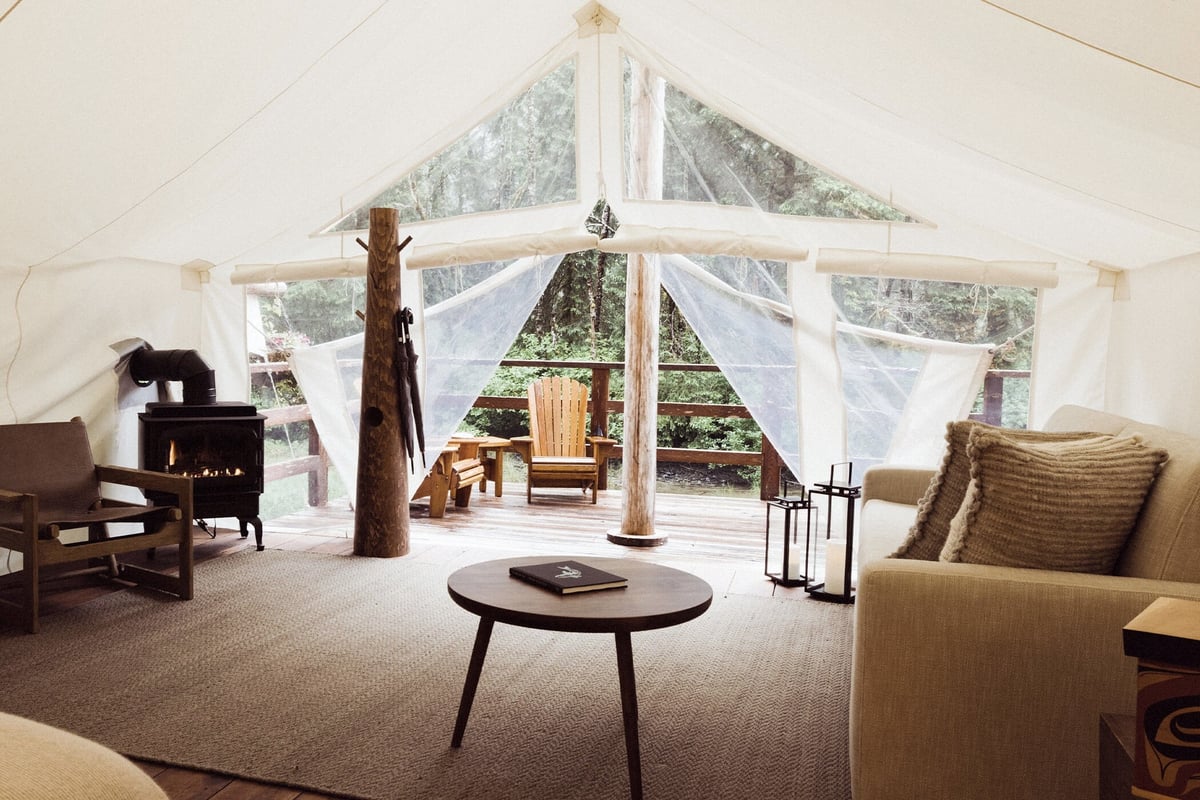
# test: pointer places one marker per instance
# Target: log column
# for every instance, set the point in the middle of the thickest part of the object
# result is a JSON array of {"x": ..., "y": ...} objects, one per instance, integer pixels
[
  {"x": 640, "y": 450},
  {"x": 381, "y": 523}
]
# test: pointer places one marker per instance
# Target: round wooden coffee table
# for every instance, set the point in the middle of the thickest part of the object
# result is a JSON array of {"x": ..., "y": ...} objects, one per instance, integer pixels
[{"x": 656, "y": 597}]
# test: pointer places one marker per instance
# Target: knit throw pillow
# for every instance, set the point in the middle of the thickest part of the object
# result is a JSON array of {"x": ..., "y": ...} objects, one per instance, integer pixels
[
  {"x": 1065, "y": 505},
  {"x": 946, "y": 491}
]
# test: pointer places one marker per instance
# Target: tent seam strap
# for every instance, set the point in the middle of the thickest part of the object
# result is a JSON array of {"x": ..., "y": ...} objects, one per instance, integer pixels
[{"x": 1097, "y": 48}]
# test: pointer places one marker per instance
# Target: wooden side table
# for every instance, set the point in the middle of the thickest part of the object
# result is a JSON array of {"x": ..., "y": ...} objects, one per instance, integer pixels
[
  {"x": 490, "y": 452},
  {"x": 1165, "y": 639},
  {"x": 1116, "y": 756}
]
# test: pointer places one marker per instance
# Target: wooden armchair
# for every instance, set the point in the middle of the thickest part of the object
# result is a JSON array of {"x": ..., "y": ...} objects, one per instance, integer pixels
[
  {"x": 49, "y": 483},
  {"x": 558, "y": 451}
]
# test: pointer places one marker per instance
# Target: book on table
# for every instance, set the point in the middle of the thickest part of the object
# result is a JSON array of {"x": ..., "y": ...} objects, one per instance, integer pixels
[{"x": 568, "y": 577}]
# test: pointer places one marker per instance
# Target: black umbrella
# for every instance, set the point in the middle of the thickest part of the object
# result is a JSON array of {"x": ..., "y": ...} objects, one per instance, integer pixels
[{"x": 409, "y": 398}]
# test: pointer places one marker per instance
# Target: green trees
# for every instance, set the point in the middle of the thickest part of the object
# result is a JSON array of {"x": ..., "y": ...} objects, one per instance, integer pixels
[
  {"x": 710, "y": 158},
  {"x": 522, "y": 156}
]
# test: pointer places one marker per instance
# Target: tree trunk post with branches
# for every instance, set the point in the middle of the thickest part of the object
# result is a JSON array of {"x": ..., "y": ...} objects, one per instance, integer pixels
[{"x": 381, "y": 521}]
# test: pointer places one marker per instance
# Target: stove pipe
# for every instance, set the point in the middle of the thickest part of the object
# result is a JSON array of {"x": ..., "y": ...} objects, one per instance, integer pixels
[{"x": 199, "y": 380}]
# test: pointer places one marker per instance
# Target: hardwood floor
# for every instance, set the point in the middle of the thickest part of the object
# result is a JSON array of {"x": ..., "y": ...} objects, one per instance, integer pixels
[
  {"x": 189, "y": 784},
  {"x": 718, "y": 538}
]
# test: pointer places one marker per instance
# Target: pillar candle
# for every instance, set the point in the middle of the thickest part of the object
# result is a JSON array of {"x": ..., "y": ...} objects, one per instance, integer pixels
[
  {"x": 795, "y": 560},
  {"x": 835, "y": 566}
]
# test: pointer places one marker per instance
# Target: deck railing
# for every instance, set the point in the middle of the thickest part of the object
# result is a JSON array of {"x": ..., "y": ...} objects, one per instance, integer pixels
[
  {"x": 602, "y": 405},
  {"x": 993, "y": 393},
  {"x": 315, "y": 464}
]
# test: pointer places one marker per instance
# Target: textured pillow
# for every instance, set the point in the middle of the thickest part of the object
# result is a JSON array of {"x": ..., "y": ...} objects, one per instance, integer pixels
[
  {"x": 946, "y": 491},
  {"x": 1066, "y": 505}
]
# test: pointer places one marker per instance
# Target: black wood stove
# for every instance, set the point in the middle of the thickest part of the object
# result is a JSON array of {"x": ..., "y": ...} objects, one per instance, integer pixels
[{"x": 218, "y": 444}]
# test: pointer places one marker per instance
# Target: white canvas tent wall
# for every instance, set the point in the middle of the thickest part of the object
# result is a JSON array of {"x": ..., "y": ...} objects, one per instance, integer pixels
[{"x": 149, "y": 148}]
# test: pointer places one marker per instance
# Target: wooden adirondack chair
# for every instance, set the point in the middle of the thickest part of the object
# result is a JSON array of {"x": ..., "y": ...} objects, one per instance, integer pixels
[{"x": 558, "y": 452}]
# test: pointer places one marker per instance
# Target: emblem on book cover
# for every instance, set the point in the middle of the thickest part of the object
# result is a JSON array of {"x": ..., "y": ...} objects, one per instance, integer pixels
[{"x": 568, "y": 572}]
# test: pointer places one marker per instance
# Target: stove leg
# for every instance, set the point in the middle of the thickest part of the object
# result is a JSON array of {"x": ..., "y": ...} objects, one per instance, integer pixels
[{"x": 257, "y": 523}]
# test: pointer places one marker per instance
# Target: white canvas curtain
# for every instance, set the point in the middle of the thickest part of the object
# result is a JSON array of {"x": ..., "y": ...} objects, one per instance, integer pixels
[
  {"x": 865, "y": 395},
  {"x": 902, "y": 390},
  {"x": 460, "y": 343},
  {"x": 328, "y": 376},
  {"x": 750, "y": 335},
  {"x": 821, "y": 392}
]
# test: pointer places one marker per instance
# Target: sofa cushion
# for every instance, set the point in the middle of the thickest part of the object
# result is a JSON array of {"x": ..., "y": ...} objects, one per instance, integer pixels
[
  {"x": 1165, "y": 544},
  {"x": 1064, "y": 505},
  {"x": 927, "y": 536},
  {"x": 1166, "y": 541}
]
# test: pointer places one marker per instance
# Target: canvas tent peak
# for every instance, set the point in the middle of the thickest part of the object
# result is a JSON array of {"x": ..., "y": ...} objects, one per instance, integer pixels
[
  {"x": 595, "y": 19},
  {"x": 223, "y": 181}
]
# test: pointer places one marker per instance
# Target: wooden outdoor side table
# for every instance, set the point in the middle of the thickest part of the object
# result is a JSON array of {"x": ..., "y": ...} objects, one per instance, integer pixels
[
  {"x": 490, "y": 452},
  {"x": 656, "y": 597},
  {"x": 454, "y": 473}
]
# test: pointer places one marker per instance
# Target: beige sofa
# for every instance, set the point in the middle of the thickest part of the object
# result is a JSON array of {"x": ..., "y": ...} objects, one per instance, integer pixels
[
  {"x": 974, "y": 682},
  {"x": 39, "y": 762}
]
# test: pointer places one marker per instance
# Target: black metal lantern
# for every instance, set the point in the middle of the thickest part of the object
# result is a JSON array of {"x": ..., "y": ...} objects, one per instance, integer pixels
[
  {"x": 838, "y": 553},
  {"x": 797, "y": 558}
]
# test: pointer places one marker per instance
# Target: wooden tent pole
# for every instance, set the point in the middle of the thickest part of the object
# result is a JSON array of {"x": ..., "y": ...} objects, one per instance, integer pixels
[
  {"x": 381, "y": 522},
  {"x": 639, "y": 479}
]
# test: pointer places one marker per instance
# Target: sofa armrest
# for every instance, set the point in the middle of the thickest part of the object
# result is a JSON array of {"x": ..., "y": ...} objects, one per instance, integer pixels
[
  {"x": 988, "y": 681},
  {"x": 896, "y": 484}
]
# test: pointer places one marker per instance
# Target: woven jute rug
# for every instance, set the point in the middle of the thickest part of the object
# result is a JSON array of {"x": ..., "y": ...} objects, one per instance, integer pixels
[{"x": 343, "y": 675}]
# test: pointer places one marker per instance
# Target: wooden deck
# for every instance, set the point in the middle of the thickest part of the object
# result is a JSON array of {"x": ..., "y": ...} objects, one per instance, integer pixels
[{"x": 718, "y": 538}]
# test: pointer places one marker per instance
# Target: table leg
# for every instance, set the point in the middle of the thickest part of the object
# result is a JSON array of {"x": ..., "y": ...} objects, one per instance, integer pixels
[
  {"x": 474, "y": 670},
  {"x": 629, "y": 713},
  {"x": 495, "y": 462}
]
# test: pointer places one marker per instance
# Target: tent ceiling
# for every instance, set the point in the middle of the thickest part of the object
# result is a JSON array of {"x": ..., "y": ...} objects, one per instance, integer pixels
[{"x": 231, "y": 131}]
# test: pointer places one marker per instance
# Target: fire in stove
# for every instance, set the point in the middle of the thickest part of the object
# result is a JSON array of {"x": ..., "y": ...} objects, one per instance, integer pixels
[
  {"x": 208, "y": 472},
  {"x": 179, "y": 462}
]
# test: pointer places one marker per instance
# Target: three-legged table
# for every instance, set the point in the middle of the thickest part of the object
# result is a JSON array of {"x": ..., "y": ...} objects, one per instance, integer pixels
[{"x": 656, "y": 597}]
